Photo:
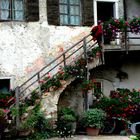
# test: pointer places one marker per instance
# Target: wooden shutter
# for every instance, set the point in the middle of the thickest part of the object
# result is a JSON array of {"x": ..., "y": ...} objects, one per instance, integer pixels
[
  {"x": 87, "y": 14},
  {"x": 32, "y": 10},
  {"x": 53, "y": 12}
]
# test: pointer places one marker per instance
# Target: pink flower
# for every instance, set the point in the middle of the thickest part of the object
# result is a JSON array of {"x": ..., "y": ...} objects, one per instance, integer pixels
[{"x": 6, "y": 110}]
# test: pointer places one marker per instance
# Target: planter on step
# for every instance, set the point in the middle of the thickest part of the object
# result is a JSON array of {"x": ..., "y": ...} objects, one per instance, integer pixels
[{"x": 92, "y": 131}]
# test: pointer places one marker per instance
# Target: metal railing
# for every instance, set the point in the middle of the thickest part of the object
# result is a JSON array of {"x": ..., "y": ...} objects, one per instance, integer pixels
[
  {"x": 126, "y": 37},
  {"x": 76, "y": 51}
]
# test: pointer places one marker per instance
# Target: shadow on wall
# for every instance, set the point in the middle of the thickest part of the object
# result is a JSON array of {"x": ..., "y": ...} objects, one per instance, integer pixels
[{"x": 72, "y": 97}]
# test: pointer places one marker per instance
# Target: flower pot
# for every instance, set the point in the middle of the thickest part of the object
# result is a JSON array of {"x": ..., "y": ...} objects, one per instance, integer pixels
[
  {"x": 63, "y": 82},
  {"x": 24, "y": 133},
  {"x": 113, "y": 43},
  {"x": 92, "y": 131},
  {"x": 53, "y": 88}
]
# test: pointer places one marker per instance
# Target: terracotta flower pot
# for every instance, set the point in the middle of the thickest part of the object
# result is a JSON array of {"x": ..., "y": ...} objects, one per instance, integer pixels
[{"x": 92, "y": 131}]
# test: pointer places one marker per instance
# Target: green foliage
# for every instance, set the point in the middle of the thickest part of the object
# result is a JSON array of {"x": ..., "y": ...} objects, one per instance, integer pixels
[
  {"x": 94, "y": 118},
  {"x": 122, "y": 103},
  {"x": 134, "y": 137},
  {"x": 41, "y": 127},
  {"x": 30, "y": 101},
  {"x": 3, "y": 123},
  {"x": 66, "y": 114},
  {"x": 4, "y": 99},
  {"x": 65, "y": 118},
  {"x": 87, "y": 85},
  {"x": 68, "y": 118},
  {"x": 53, "y": 81},
  {"x": 13, "y": 111},
  {"x": 135, "y": 25}
]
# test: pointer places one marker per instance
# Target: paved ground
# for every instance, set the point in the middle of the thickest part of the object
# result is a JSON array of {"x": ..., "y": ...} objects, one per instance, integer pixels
[{"x": 83, "y": 137}]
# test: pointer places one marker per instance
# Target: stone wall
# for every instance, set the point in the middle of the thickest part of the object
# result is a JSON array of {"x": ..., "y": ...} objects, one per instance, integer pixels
[
  {"x": 26, "y": 47},
  {"x": 69, "y": 95}
]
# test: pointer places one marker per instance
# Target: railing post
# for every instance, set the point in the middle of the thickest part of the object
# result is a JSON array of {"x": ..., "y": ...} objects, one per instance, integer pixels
[
  {"x": 17, "y": 90},
  {"x": 64, "y": 58},
  {"x": 39, "y": 83},
  {"x": 86, "y": 104},
  {"x": 126, "y": 46},
  {"x": 102, "y": 47}
]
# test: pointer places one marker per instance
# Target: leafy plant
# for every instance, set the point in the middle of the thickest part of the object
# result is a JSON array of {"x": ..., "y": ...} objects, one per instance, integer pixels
[
  {"x": 135, "y": 25},
  {"x": 94, "y": 118},
  {"x": 40, "y": 127},
  {"x": 123, "y": 103},
  {"x": 5, "y": 97},
  {"x": 3, "y": 123},
  {"x": 53, "y": 81},
  {"x": 66, "y": 117},
  {"x": 87, "y": 85}
]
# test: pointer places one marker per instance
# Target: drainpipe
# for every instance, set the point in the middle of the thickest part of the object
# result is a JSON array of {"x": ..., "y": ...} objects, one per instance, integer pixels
[
  {"x": 86, "y": 103},
  {"x": 125, "y": 17}
]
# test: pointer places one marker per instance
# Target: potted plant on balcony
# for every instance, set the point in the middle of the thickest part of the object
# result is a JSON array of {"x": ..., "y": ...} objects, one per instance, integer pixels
[{"x": 94, "y": 121}]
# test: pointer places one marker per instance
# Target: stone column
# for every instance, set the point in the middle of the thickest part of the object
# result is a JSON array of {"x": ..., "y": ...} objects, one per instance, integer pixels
[{"x": 43, "y": 11}]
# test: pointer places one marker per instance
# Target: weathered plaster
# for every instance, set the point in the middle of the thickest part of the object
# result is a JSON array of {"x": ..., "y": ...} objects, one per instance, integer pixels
[{"x": 27, "y": 47}]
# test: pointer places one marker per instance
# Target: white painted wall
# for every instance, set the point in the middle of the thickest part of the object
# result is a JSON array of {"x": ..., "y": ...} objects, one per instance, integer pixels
[
  {"x": 133, "y": 81},
  {"x": 26, "y": 47},
  {"x": 133, "y": 8}
]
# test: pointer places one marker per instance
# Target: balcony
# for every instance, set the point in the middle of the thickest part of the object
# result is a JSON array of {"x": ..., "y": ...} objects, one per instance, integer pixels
[{"x": 121, "y": 35}]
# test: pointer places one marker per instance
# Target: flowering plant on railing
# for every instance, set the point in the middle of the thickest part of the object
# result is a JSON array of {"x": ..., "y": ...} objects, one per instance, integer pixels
[
  {"x": 69, "y": 71},
  {"x": 88, "y": 85},
  {"x": 111, "y": 27},
  {"x": 135, "y": 25}
]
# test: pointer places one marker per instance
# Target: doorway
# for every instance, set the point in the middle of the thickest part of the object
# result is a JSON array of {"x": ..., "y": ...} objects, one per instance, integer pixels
[{"x": 105, "y": 10}]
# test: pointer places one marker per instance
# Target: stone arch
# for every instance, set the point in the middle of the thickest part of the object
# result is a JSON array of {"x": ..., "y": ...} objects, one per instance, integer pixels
[{"x": 72, "y": 97}]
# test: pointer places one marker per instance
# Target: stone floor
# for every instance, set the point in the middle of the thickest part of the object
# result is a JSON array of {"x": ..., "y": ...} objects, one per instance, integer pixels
[{"x": 84, "y": 137}]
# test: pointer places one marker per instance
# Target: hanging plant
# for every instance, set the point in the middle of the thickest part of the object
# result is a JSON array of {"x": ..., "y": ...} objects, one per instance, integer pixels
[{"x": 88, "y": 85}]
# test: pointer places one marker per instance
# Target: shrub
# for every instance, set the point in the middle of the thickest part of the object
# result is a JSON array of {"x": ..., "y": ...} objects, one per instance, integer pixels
[{"x": 94, "y": 118}]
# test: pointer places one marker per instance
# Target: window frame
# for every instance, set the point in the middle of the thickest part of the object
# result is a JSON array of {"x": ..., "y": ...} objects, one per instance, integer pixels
[
  {"x": 116, "y": 9},
  {"x": 11, "y": 80},
  {"x": 68, "y": 13},
  {"x": 101, "y": 82},
  {"x": 11, "y": 12}
]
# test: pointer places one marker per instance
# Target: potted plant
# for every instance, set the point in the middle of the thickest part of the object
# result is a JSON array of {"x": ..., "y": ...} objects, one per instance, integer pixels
[
  {"x": 66, "y": 122},
  {"x": 94, "y": 120}
]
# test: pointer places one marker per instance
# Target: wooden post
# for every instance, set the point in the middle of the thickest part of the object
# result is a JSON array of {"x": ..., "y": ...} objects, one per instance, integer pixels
[
  {"x": 17, "y": 107},
  {"x": 86, "y": 104}
]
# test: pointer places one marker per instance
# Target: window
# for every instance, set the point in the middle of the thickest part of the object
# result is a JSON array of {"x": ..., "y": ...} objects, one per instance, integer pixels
[
  {"x": 98, "y": 89},
  {"x": 11, "y": 9},
  {"x": 19, "y": 10},
  {"x": 4, "y": 85},
  {"x": 69, "y": 12}
]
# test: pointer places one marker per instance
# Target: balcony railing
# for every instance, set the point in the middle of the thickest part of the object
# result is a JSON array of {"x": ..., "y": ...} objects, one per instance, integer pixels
[{"x": 124, "y": 41}]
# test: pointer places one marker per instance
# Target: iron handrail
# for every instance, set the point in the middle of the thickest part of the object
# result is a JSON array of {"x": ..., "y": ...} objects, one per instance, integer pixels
[{"x": 64, "y": 56}]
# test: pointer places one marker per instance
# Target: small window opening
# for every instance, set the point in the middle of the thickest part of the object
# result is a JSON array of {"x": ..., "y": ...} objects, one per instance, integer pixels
[{"x": 4, "y": 85}]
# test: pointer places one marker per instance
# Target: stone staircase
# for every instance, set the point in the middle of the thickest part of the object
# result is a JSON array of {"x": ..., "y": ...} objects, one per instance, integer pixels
[{"x": 85, "y": 49}]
